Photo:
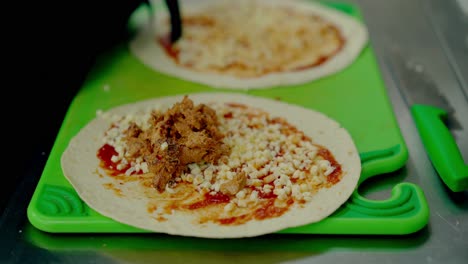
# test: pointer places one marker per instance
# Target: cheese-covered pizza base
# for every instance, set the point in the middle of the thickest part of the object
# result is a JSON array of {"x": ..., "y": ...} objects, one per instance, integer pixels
[
  {"x": 300, "y": 167},
  {"x": 251, "y": 44}
]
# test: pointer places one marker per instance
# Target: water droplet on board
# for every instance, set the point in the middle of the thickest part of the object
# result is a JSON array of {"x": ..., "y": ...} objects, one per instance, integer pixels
[{"x": 417, "y": 67}]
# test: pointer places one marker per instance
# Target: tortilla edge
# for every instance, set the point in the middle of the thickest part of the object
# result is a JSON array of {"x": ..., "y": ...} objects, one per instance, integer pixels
[{"x": 293, "y": 218}]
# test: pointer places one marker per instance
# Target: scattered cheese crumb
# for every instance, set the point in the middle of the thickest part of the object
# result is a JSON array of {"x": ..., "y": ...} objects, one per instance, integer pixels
[{"x": 164, "y": 146}]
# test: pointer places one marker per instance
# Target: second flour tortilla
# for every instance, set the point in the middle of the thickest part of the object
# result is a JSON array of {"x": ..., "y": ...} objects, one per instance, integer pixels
[
  {"x": 129, "y": 206},
  {"x": 146, "y": 48}
]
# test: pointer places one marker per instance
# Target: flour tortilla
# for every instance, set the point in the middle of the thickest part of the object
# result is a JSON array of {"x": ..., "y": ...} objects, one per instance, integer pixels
[
  {"x": 144, "y": 46},
  {"x": 79, "y": 164}
]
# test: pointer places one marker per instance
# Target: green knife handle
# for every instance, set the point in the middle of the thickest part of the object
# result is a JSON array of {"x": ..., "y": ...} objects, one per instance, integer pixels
[{"x": 441, "y": 146}]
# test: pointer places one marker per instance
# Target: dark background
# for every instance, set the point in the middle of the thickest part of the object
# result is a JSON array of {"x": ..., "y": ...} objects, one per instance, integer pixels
[{"x": 52, "y": 45}]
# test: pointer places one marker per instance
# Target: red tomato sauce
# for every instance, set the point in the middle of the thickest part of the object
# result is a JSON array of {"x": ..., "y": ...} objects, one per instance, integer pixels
[
  {"x": 333, "y": 177},
  {"x": 228, "y": 115},
  {"x": 210, "y": 199},
  {"x": 270, "y": 210},
  {"x": 267, "y": 210},
  {"x": 170, "y": 50},
  {"x": 105, "y": 154}
]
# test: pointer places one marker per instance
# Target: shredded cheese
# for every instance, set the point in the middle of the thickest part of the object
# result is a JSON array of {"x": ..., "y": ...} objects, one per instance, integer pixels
[
  {"x": 277, "y": 159},
  {"x": 249, "y": 39}
]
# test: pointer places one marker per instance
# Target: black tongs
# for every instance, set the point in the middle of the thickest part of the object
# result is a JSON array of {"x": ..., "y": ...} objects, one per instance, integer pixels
[{"x": 176, "y": 22}]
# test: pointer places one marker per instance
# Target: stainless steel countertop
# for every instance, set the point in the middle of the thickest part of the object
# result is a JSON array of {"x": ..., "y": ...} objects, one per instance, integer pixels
[{"x": 433, "y": 33}]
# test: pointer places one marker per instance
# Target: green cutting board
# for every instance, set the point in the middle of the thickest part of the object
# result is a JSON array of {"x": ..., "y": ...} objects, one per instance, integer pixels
[{"x": 356, "y": 97}]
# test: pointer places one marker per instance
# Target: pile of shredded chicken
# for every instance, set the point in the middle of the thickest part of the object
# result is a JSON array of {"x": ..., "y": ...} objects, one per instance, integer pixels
[{"x": 182, "y": 135}]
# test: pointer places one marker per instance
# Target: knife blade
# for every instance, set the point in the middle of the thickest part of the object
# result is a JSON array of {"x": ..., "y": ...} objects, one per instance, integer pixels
[{"x": 432, "y": 114}]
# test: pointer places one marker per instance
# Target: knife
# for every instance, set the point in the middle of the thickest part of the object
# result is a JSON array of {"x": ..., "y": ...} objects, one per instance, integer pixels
[
  {"x": 176, "y": 22},
  {"x": 430, "y": 111}
]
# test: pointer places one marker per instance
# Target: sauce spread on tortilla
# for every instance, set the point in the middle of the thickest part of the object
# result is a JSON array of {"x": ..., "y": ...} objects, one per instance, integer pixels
[
  {"x": 267, "y": 210},
  {"x": 210, "y": 199},
  {"x": 105, "y": 154},
  {"x": 170, "y": 50},
  {"x": 335, "y": 176}
]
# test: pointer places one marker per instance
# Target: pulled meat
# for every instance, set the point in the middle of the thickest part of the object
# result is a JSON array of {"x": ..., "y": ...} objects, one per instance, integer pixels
[{"x": 182, "y": 135}]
